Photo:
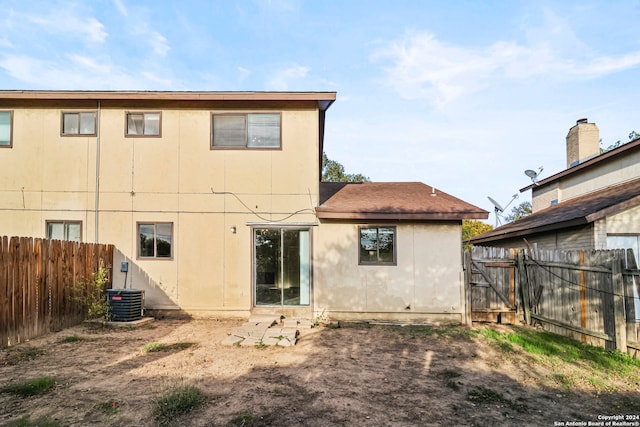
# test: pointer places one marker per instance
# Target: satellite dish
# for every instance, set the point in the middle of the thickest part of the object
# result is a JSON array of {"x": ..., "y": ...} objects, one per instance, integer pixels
[
  {"x": 533, "y": 174},
  {"x": 498, "y": 209},
  {"x": 496, "y": 205}
]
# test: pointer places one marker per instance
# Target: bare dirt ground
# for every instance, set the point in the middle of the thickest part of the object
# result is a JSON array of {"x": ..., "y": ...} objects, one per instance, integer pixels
[{"x": 348, "y": 376}]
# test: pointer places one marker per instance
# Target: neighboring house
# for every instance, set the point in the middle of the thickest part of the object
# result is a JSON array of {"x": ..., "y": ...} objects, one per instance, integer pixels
[
  {"x": 214, "y": 200},
  {"x": 593, "y": 204}
]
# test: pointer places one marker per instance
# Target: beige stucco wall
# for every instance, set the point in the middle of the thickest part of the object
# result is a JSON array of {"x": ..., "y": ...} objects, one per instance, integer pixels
[
  {"x": 426, "y": 284},
  {"x": 162, "y": 179}
]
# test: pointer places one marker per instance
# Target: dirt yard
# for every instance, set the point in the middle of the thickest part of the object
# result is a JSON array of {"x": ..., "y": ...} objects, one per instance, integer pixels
[{"x": 355, "y": 375}]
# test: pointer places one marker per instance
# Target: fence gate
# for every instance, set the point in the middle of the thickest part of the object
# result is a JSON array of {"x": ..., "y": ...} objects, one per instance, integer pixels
[{"x": 491, "y": 285}]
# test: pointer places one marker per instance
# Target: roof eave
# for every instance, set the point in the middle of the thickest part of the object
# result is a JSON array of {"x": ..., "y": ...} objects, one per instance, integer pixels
[
  {"x": 324, "y": 99},
  {"x": 402, "y": 216},
  {"x": 528, "y": 231}
]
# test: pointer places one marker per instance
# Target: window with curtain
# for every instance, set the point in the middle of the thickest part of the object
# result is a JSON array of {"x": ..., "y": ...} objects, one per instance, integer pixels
[
  {"x": 79, "y": 123},
  {"x": 377, "y": 246},
  {"x": 6, "y": 118},
  {"x": 155, "y": 240},
  {"x": 246, "y": 130},
  {"x": 143, "y": 124},
  {"x": 64, "y": 230}
]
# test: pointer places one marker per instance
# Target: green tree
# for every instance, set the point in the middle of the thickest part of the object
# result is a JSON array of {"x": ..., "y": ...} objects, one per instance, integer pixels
[
  {"x": 520, "y": 211},
  {"x": 472, "y": 228},
  {"x": 333, "y": 171}
]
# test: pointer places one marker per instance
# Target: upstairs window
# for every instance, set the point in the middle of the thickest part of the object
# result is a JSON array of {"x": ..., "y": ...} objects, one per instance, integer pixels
[
  {"x": 79, "y": 123},
  {"x": 143, "y": 124},
  {"x": 246, "y": 131},
  {"x": 64, "y": 230},
  {"x": 377, "y": 246},
  {"x": 6, "y": 119},
  {"x": 154, "y": 240}
]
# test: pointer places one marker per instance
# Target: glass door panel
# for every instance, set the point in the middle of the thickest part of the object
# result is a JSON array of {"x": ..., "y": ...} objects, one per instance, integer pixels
[{"x": 282, "y": 270}]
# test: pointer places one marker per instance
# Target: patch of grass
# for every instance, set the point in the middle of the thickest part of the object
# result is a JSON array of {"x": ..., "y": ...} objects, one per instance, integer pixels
[
  {"x": 485, "y": 395},
  {"x": 154, "y": 347},
  {"x": 248, "y": 420},
  {"x": 22, "y": 354},
  {"x": 25, "y": 421},
  {"x": 71, "y": 338},
  {"x": 177, "y": 402},
  {"x": 30, "y": 388},
  {"x": 568, "y": 350},
  {"x": 260, "y": 344},
  {"x": 566, "y": 381},
  {"x": 109, "y": 407},
  {"x": 449, "y": 377}
]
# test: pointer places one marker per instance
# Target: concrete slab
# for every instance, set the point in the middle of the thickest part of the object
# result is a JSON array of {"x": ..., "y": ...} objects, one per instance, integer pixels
[
  {"x": 268, "y": 330},
  {"x": 133, "y": 324},
  {"x": 250, "y": 342}
]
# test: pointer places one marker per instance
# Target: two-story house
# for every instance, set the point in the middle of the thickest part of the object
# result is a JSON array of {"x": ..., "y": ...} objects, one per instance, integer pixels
[
  {"x": 593, "y": 204},
  {"x": 214, "y": 201}
]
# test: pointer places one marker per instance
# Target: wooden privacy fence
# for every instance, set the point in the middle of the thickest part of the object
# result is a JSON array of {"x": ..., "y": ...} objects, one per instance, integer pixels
[
  {"x": 36, "y": 284},
  {"x": 591, "y": 296}
]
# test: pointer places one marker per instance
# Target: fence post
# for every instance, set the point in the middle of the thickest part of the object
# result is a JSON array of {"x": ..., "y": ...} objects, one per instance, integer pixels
[
  {"x": 618, "y": 304},
  {"x": 467, "y": 287},
  {"x": 524, "y": 286}
]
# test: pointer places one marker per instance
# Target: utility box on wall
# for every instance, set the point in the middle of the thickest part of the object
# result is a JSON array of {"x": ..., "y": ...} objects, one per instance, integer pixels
[{"x": 125, "y": 304}]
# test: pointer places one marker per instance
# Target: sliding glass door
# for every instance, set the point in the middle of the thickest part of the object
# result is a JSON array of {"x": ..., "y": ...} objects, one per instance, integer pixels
[{"x": 282, "y": 274}]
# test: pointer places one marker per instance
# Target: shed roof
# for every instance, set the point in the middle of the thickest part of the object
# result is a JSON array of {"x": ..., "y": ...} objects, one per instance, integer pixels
[
  {"x": 579, "y": 211},
  {"x": 392, "y": 201}
]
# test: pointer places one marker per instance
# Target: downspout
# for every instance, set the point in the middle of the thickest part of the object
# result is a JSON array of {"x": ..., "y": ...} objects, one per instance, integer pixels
[{"x": 97, "y": 205}]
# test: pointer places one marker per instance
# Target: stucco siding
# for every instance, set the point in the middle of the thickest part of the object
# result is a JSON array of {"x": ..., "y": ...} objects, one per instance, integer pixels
[
  {"x": 175, "y": 177},
  {"x": 425, "y": 284}
]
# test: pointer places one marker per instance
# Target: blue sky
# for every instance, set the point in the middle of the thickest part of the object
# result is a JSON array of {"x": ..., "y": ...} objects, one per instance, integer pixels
[{"x": 461, "y": 95}]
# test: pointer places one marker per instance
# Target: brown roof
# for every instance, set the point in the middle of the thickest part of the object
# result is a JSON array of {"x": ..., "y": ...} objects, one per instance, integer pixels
[
  {"x": 323, "y": 99},
  {"x": 392, "y": 201},
  {"x": 579, "y": 211}
]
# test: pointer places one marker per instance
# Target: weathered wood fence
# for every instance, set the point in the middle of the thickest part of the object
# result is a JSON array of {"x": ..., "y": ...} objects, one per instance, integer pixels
[
  {"x": 36, "y": 284},
  {"x": 591, "y": 296}
]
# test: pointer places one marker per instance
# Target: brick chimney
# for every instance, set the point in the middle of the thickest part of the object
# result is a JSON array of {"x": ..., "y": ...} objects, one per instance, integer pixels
[{"x": 583, "y": 142}]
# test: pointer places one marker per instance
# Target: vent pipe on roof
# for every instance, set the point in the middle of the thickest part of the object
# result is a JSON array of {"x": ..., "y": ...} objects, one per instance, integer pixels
[{"x": 583, "y": 142}]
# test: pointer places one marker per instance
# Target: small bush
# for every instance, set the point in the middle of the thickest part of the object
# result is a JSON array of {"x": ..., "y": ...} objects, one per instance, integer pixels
[
  {"x": 91, "y": 293},
  {"x": 177, "y": 402},
  {"x": 30, "y": 388}
]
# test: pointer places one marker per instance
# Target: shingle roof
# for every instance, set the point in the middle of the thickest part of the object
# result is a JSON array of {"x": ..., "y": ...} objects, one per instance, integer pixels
[
  {"x": 392, "y": 201},
  {"x": 579, "y": 211}
]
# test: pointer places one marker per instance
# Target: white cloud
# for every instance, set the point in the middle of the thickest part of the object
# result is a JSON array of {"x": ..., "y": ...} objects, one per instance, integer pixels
[
  {"x": 79, "y": 72},
  {"x": 121, "y": 8},
  {"x": 421, "y": 66},
  {"x": 159, "y": 43},
  {"x": 65, "y": 20},
  {"x": 281, "y": 79}
]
